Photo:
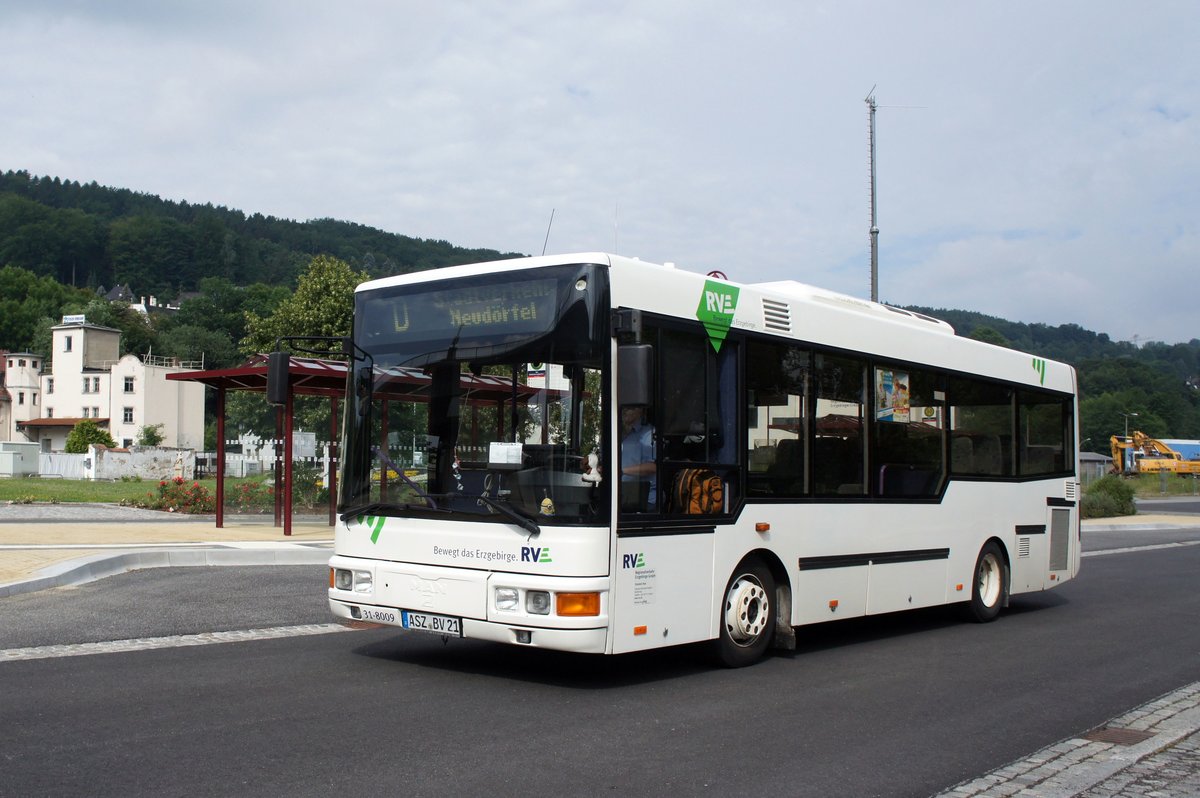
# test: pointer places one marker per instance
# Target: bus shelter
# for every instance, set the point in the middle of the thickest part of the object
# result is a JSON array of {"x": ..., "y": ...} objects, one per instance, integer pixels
[{"x": 316, "y": 377}]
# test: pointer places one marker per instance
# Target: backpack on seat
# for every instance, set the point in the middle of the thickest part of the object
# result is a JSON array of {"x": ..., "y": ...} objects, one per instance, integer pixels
[{"x": 698, "y": 491}]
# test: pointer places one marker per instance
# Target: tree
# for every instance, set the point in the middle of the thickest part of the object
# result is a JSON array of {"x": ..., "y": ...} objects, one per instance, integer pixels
[
  {"x": 322, "y": 305},
  {"x": 222, "y": 307},
  {"x": 188, "y": 342},
  {"x": 84, "y": 433},
  {"x": 152, "y": 253},
  {"x": 25, "y": 299},
  {"x": 150, "y": 435}
]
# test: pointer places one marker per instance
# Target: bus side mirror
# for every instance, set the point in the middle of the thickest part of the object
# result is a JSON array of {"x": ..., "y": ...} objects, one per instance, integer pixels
[
  {"x": 277, "y": 377},
  {"x": 635, "y": 374}
]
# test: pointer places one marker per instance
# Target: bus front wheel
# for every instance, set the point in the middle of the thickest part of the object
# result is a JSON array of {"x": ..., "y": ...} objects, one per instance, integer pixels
[
  {"x": 989, "y": 588},
  {"x": 747, "y": 615}
]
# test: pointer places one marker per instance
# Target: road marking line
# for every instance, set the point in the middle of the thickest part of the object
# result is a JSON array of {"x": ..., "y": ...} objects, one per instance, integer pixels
[
  {"x": 172, "y": 641},
  {"x": 1129, "y": 549}
]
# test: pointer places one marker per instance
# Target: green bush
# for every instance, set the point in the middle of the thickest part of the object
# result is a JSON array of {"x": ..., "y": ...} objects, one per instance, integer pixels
[{"x": 1107, "y": 497}]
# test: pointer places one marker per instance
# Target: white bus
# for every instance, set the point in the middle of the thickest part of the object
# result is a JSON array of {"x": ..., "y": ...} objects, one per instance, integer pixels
[{"x": 592, "y": 453}]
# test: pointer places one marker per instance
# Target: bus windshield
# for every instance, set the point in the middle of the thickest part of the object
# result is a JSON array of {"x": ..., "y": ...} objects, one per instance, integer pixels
[{"x": 479, "y": 399}]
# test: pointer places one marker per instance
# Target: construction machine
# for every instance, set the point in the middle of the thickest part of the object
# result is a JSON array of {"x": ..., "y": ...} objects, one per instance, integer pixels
[{"x": 1150, "y": 456}]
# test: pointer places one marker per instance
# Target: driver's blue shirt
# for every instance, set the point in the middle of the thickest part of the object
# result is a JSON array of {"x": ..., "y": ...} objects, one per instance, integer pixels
[{"x": 637, "y": 447}]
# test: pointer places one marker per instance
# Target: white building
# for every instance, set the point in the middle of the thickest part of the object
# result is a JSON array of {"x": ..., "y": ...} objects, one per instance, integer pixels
[
  {"x": 88, "y": 379},
  {"x": 20, "y": 391}
]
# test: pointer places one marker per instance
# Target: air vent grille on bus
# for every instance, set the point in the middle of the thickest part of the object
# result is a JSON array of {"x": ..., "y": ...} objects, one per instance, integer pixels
[
  {"x": 1022, "y": 547},
  {"x": 1072, "y": 487},
  {"x": 777, "y": 315}
]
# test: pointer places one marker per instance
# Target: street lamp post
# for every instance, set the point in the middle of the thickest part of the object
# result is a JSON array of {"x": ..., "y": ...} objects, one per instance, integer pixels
[
  {"x": 1127, "y": 415},
  {"x": 1128, "y": 452}
]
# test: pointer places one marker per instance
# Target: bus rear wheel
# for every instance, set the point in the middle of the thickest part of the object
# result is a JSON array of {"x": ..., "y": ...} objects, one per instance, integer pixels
[
  {"x": 747, "y": 615},
  {"x": 989, "y": 588}
]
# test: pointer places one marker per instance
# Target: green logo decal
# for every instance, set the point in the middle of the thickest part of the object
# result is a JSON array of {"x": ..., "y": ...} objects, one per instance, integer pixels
[
  {"x": 375, "y": 522},
  {"x": 1039, "y": 366},
  {"x": 717, "y": 305}
]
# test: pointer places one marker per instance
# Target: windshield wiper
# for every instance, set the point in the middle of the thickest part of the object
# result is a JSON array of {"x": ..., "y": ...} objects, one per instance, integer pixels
[
  {"x": 520, "y": 519},
  {"x": 381, "y": 508}
]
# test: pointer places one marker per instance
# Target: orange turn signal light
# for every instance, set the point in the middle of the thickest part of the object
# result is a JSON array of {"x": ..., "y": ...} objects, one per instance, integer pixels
[
  {"x": 639, "y": 630},
  {"x": 331, "y": 577},
  {"x": 762, "y": 527},
  {"x": 576, "y": 604}
]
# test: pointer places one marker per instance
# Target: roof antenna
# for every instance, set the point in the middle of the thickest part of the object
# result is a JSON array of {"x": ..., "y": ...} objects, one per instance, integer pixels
[{"x": 547, "y": 241}]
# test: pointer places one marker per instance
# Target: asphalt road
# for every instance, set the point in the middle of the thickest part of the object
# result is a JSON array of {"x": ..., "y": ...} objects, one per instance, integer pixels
[{"x": 902, "y": 705}]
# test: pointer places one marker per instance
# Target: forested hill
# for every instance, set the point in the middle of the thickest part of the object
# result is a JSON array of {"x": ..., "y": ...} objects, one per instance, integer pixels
[
  {"x": 89, "y": 236},
  {"x": 1157, "y": 381},
  {"x": 56, "y": 234}
]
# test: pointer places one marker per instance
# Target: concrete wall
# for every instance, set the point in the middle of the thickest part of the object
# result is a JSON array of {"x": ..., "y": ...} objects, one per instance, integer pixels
[{"x": 146, "y": 462}]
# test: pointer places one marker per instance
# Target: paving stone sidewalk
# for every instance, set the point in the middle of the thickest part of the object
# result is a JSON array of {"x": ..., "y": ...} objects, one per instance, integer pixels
[
  {"x": 49, "y": 545},
  {"x": 1150, "y": 752}
]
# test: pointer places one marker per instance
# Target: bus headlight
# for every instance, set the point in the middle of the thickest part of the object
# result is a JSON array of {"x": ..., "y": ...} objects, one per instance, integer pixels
[
  {"x": 537, "y": 602},
  {"x": 343, "y": 579},
  {"x": 363, "y": 582},
  {"x": 507, "y": 599}
]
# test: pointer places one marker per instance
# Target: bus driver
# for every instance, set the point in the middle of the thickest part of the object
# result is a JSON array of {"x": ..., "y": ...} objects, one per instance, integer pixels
[{"x": 637, "y": 457}]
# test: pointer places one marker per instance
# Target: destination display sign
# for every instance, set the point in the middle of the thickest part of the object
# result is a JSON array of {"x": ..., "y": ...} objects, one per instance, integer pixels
[
  {"x": 512, "y": 306},
  {"x": 491, "y": 311}
]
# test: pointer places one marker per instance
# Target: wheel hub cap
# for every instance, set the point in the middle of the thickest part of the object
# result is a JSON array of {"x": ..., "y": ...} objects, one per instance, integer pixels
[{"x": 746, "y": 610}]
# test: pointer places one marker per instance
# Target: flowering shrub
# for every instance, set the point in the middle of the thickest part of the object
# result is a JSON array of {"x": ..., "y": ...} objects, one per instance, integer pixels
[
  {"x": 254, "y": 497},
  {"x": 179, "y": 496}
]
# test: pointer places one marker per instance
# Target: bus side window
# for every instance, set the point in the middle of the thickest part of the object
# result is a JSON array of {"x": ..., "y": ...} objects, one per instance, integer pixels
[
  {"x": 777, "y": 376},
  {"x": 839, "y": 462},
  {"x": 698, "y": 386},
  {"x": 1046, "y": 427},
  {"x": 907, "y": 440},
  {"x": 981, "y": 428}
]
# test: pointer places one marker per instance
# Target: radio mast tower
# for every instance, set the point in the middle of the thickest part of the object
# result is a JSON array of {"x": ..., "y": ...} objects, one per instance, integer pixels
[{"x": 870, "y": 100}]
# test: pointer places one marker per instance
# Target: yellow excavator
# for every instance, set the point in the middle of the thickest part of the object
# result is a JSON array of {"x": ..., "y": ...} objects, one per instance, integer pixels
[{"x": 1150, "y": 456}]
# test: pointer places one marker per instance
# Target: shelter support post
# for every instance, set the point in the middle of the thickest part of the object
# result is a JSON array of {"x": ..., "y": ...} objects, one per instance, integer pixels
[
  {"x": 331, "y": 480},
  {"x": 220, "y": 457},
  {"x": 383, "y": 446},
  {"x": 287, "y": 463}
]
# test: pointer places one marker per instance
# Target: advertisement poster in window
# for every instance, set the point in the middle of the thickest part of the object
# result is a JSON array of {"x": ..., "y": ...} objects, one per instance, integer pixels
[{"x": 892, "y": 397}]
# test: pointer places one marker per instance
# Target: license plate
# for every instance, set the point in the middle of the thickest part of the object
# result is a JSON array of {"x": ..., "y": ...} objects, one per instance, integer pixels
[
  {"x": 377, "y": 616},
  {"x": 437, "y": 624}
]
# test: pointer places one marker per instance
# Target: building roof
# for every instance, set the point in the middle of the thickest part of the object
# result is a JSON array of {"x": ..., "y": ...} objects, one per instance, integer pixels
[
  {"x": 65, "y": 421},
  {"x": 313, "y": 377},
  {"x": 120, "y": 293},
  {"x": 86, "y": 325}
]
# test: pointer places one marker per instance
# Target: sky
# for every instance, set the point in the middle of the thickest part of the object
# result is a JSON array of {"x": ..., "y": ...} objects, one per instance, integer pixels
[{"x": 1036, "y": 160}]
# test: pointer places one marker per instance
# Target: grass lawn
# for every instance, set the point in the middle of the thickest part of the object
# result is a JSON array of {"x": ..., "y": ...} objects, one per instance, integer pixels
[
  {"x": 27, "y": 489},
  {"x": 1151, "y": 486}
]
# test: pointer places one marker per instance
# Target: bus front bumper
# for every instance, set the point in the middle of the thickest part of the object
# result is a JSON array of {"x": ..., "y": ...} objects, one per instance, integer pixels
[{"x": 582, "y": 641}]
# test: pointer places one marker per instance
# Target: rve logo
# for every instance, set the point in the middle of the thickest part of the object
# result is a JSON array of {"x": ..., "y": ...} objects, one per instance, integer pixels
[
  {"x": 535, "y": 554},
  {"x": 1039, "y": 366},
  {"x": 633, "y": 560}
]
